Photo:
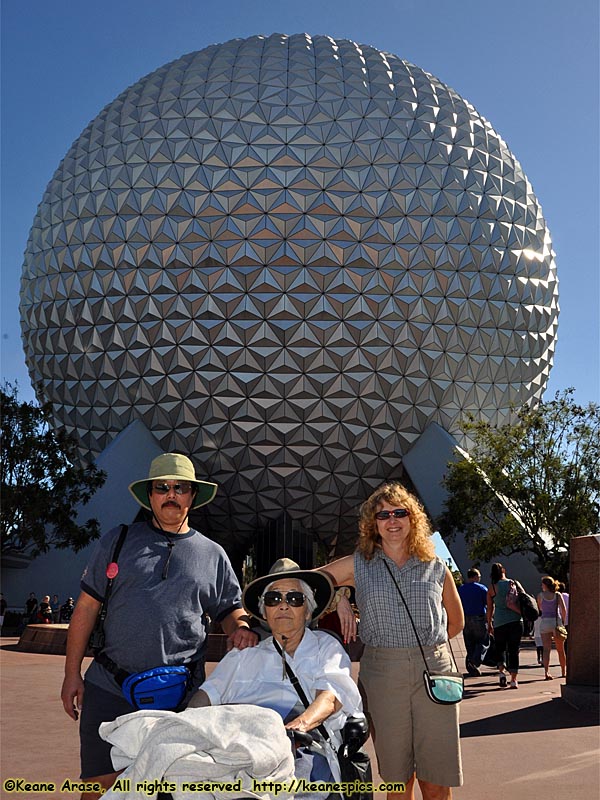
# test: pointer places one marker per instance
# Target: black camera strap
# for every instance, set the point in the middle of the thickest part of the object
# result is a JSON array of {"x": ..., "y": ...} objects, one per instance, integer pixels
[
  {"x": 97, "y": 636},
  {"x": 111, "y": 577}
]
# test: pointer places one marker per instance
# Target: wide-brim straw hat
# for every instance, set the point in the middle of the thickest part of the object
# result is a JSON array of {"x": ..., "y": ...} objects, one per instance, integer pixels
[
  {"x": 173, "y": 467},
  {"x": 286, "y": 568}
]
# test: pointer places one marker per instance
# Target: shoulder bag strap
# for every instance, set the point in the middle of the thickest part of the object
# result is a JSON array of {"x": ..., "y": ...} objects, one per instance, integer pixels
[{"x": 387, "y": 566}]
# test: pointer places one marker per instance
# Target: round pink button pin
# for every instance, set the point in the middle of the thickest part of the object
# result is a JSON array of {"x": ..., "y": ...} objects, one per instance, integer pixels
[{"x": 112, "y": 570}]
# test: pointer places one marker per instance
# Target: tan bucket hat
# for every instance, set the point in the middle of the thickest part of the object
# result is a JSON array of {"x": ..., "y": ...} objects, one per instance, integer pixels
[
  {"x": 173, "y": 467},
  {"x": 286, "y": 568}
]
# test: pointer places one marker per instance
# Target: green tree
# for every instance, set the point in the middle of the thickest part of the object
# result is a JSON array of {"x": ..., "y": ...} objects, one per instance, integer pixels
[
  {"x": 41, "y": 481},
  {"x": 528, "y": 486}
]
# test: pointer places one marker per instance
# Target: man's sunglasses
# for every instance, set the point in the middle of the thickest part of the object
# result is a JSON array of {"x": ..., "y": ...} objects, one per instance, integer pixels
[
  {"x": 397, "y": 513},
  {"x": 179, "y": 488},
  {"x": 294, "y": 599}
]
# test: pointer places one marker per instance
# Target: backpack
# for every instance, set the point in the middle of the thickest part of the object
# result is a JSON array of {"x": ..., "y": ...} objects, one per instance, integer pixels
[{"x": 529, "y": 609}]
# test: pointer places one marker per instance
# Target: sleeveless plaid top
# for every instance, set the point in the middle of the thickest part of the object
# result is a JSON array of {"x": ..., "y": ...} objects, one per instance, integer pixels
[{"x": 383, "y": 618}]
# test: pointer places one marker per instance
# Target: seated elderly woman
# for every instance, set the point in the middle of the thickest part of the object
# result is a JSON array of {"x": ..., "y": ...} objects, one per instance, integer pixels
[{"x": 288, "y": 600}]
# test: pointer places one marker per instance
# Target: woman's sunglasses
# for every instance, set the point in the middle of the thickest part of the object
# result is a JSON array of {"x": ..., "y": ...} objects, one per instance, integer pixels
[
  {"x": 294, "y": 599},
  {"x": 397, "y": 513}
]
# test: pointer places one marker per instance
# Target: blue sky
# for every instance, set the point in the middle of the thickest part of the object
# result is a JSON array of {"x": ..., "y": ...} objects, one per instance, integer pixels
[{"x": 531, "y": 68}]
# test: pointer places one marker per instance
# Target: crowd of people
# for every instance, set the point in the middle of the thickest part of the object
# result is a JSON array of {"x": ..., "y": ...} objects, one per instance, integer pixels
[
  {"x": 44, "y": 612},
  {"x": 405, "y": 596},
  {"x": 490, "y": 624}
]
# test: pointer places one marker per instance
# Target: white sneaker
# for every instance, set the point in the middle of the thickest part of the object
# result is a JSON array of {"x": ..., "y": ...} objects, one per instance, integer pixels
[{"x": 514, "y": 685}]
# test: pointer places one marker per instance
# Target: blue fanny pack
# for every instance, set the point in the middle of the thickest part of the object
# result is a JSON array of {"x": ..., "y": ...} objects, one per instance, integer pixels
[{"x": 160, "y": 687}]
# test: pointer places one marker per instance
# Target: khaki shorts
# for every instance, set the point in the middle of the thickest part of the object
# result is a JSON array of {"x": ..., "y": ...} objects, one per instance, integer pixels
[{"x": 411, "y": 732}]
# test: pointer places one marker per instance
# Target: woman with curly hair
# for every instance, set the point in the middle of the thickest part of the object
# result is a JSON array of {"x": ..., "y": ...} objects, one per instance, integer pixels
[{"x": 414, "y": 737}]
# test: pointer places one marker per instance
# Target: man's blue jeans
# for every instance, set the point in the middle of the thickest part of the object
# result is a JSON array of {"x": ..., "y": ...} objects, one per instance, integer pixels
[{"x": 476, "y": 639}]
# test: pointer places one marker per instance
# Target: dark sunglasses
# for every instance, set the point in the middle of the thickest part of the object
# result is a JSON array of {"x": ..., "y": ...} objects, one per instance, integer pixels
[
  {"x": 397, "y": 513},
  {"x": 179, "y": 488},
  {"x": 294, "y": 599}
]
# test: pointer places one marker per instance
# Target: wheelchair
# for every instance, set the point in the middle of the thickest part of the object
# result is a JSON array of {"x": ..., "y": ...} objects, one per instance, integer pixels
[{"x": 354, "y": 734}]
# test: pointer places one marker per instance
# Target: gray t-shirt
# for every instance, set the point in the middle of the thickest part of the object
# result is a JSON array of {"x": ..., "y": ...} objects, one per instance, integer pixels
[{"x": 157, "y": 612}]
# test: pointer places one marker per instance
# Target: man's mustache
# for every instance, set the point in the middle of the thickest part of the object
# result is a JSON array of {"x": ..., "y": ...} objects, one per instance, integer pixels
[{"x": 170, "y": 503}]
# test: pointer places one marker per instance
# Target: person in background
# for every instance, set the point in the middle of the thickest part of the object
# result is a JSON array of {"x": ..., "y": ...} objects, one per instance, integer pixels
[
  {"x": 553, "y": 610},
  {"x": 473, "y": 596},
  {"x": 55, "y": 608},
  {"x": 3, "y": 605},
  {"x": 31, "y": 607},
  {"x": 537, "y": 637},
  {"x": 66, "y": 610},
  {"x": 505, "y": 625},
  {"x": 415, "y": 739},
  {"x": 44, "y": 614},
  {"x": 565, "y": 596}
]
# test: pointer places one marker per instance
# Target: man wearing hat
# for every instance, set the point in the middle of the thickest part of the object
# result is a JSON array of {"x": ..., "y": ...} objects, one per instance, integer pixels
[
  {"x": 168, "y": 582},
  {"x": 66, "y": 610},
  {"x": 287, "y": 601}
]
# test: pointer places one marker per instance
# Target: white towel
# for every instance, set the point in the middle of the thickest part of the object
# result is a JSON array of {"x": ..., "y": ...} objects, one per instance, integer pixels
[{"x": 219, "y": 743}]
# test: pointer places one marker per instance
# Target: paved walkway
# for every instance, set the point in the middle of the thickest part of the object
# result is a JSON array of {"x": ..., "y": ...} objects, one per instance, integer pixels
[{"x": 517, "y": 745}]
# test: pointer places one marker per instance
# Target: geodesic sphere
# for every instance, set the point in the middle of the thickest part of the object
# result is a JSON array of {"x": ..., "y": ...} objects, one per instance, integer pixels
[{"x": 287, "y": 256}]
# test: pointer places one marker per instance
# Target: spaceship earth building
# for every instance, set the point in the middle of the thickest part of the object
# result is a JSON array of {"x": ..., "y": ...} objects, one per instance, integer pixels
[{"x": 286, "y": 256}]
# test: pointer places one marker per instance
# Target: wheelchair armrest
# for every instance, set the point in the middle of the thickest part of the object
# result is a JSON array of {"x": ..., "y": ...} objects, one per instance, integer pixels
[
  {"x": 355, "y": 733},
  {"x": 300, "y": 738}
]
